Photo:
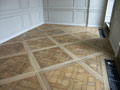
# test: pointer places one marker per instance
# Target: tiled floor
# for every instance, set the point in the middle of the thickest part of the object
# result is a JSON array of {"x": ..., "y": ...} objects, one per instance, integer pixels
[{"x": 55, "y": 57}]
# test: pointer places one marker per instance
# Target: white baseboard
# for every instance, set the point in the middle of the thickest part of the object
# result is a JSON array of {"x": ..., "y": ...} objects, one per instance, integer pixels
[
  {"x": 72, "y": 24},
  {"x": 17, "y": 34},
  {"x": 99, "y": 26}
]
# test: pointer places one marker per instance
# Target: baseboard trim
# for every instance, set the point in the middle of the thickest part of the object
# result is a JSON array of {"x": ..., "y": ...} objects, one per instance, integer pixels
[
  {"x": 99, "y": 26},
  {"x": 23, "y": 31},
  {"x": 72, "y": 24}
]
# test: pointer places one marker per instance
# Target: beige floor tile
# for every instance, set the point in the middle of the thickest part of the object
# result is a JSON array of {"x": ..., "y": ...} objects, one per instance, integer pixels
[
  {"x": 101, "y": 43},
  {"x": 11, "y": 49},
  {"x": 16, "y": 39},
  {"x": 81, "y": 49},
  {"x": 35, "y": 33},
  {"x": 25, "y": 84},
  {"x": 65, "y": 38},
  {"x": 85, "y": 35},
  {"x": 40, "y": 43},
  {"x": 51, "y": 57},
  {"x": 73, "y": 29},
  {"x": 73, "y": 77},
  {"x": 13, "y": 66},
  {"x": 46, "y": 27},
  {"x": 55, "y": 32}
]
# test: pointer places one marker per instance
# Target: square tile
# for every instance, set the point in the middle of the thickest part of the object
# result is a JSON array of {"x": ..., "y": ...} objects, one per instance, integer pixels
[
  {"x": 85, "y": 35},
  {"x": 51, "y": 57},
  {"x": 46, "y": 27},
  {"x": 73, "y": 29},
  {"x": 40, "y": 43},
  {"x": 16, "y": 39},
  {"x": 102, "y": 43},
  {"x": 26, "y": 84},
  {"x": 13, "y": 66},
  {"x": 35, "y": 33},
  {"x": 55, "y": 32},
  {"x": 81, "y": 49},
  {"x": 11, "y": 49},
  {"x": 65, "y": 38},
  {"x": 72, "y": 77}
]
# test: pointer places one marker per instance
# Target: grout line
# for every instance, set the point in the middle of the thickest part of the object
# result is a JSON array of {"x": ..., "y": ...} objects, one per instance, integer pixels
[
  {"x": 91, "y": 71},
  {"x": 74, "y": 56},
  {"x": 35, "y": 64},
  {"x": 30, "y": 55},
  {"x": 8, "y": 56},
  {"x": 105, "y": 77},
  {"x": 91, "y": 44},
  {"x": 46, "y": 69},
  {"x": 17, "y": 77},
  {"x": 44, "y": 48}
]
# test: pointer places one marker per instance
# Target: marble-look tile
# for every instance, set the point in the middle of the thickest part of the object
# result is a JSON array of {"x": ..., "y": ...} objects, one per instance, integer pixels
[
  {"x": 51, "y": 57},
  {"x": 11, "y": 49},
  {"x": 40, "y": 43},
  {"x": 101, "y": 43},
  {"x": 73, "y": 77},
  {"x": 35, "y": 33},
  {"x": 13, "y": 66},
  {"x": 65, "y": 38},
  {"x": 81, "y": 49},
  {"x": 55, "y": 32},
  {"x": 26, "y": 84}
]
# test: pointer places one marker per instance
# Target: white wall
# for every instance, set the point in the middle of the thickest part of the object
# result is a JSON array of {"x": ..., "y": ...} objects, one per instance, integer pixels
[
  {"x": 115, "y": 27},
  {"x": 97, "y": 9},
  {"x": 109, "y": 10},
  {"x": 18, "y": 16},
  {"x": 71, "y": 12},
  {"x": 75, "y": 12}
]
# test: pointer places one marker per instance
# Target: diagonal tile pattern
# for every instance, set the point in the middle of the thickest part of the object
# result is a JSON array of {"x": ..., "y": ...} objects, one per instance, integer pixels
[
  {"x": 25, "y": 84},
  {"x": 65, "y": 38},
  {"x": 51, "y": 57},
  {"x": 45, "y": 58},
  {"x": 81, "y": 49},
  {"x": 11, "y": 49},
  {"x": 73, "y": 77},
  {"x": 40, "y": 43},
  {"x": 13, "y": 66}
]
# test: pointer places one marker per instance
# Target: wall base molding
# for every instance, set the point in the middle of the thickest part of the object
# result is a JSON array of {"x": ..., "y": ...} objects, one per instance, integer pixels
[
  {"x": 72, "y": 24},
  {"x": 23, "y": 31}
]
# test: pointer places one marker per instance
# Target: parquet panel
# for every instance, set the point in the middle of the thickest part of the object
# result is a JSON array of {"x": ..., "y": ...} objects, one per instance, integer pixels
[
  {"x": 55, "y": 32},
  {"x": 11, "y": 49},
  {"x": 81, "y": 49},
  {"x": 13, "y": 66},
  {"x": 40, "y": 43},
  {"x": 73, "y": 77},
  {"x": 35, "y": 33},
  {"x": 101, "y": 43},
  {"x": 25, "y": 84},
  {"x": 51, "y": 57},
  {"x": 65, "y": 38}
]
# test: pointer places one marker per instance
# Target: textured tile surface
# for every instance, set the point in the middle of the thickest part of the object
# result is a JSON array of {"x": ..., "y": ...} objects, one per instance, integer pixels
[
  {"x": 51, "y": 57},
  {"x": 55, "y": 32},
  {"x": 81, "y": 49},
  {"x": 13, "y": 66},
  {"x": 103, "y": 44},
  {"x": 40, "y": 43},
  {"x": 85, "y": 35},
  {"x": 10, "y": 49},
  {"x": 73, "y": 77},
  {"x": 25, "y": 84},
  {"x": 65, "y": 38},
  {"x": 35, "y": 33}
]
